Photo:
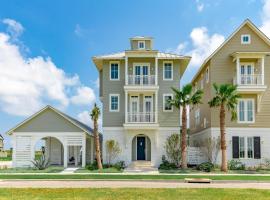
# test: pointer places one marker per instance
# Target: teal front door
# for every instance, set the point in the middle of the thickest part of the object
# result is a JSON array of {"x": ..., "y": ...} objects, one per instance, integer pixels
[{"x": 140, "y": 148}]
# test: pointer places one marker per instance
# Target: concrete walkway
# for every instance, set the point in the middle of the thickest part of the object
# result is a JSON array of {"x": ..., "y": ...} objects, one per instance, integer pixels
[
  {"x": 126, "y": 184},
  {"x": 69, "y": 170}
]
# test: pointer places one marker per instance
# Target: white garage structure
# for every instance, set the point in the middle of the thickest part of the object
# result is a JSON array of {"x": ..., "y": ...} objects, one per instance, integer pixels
[{"x": 67, "y": 141}]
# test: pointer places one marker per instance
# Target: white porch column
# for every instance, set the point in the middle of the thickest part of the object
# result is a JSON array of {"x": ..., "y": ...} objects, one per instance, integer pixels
[
  {"x": 156, "y": 106},
  {"x": 156, "y": 71},
  {"x": 65, "y": 155},
  {"x": 263, "y": 70},
  {"x": 84, "y": 150},
  {"x": 126, "y": 70},
  {"x": 238, "y": 71},
  {"x": 126, "y": 106}
]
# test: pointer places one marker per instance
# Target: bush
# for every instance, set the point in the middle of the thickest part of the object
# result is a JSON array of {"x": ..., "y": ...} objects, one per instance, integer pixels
[
  {"x": 119, "y": 165},
  {"x": 206, "y": 167},
  {"x": 166, "y": 165},
  {"x": 92, "y": 166},
  {"x": 236, "y": 165},
  {"x": 41, "y": 163},
  {"x": 173, "y": 148}
]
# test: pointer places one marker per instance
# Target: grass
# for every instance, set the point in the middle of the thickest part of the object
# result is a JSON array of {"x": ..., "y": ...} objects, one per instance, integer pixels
[
  {"x": 141, "y": 194},
  {"x": 51, "y": 169},
  {"x": 105, "y": 170},
  {"x": 8, "y": 158},
  {"x": 131, "y": 177},
  {"x": 194, "y": 171}
]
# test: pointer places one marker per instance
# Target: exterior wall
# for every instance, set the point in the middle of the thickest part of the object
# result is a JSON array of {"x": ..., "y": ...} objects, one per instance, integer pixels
[
  {"x": 48, "y": 121},
  {"x": 125, "y": 137},
  {"x": 54, "y": 151},
  {"x": 263, "y": 133}
]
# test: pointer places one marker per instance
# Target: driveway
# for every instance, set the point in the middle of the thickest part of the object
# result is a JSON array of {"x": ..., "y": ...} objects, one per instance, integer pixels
[{"x": 125, "y": 184}]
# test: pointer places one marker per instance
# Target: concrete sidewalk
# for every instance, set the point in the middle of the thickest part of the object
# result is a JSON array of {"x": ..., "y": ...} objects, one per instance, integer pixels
[{"x": 126, "y": 184}]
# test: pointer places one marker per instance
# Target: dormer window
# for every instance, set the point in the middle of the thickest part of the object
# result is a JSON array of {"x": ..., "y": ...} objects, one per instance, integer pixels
[
  {"x": 245, "y": 39},
  {"x": 141, "y": 45}
]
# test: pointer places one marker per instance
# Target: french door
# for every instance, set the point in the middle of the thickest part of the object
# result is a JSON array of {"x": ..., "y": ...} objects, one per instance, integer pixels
[
  {"x": 134, "y": 109},
  {"x": 148, "y": 108},
  {"x": 141, "y": 73},
  {"x": 247, "y": 73}
]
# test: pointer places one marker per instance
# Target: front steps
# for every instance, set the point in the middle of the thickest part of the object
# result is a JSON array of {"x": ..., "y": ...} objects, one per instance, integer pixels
[{"x": 141, "y": 167}]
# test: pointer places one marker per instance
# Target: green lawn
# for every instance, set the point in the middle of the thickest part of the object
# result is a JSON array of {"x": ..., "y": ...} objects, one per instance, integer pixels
[
  {"x": 194, "y": 171},
  {"x": 51, "y": 169},
  {"x": 141, "y": 194},
  {"x": 133, "y": 177},
  {"x": 8, "y": 158},
  {"x": 105, "y": 170}
]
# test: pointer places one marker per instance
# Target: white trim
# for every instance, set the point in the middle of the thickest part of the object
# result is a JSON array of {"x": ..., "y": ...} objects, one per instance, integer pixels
[
  {"x": 118, "y": 96},
  {"x": 141, "y": 41},
  {"x": 114, "y": 62},
  {"x": 245, "y": 35},
  {"x": 164, "y": 95},
  {"x": 245, "y": 111},
  {"x": 167, "y": 79}
]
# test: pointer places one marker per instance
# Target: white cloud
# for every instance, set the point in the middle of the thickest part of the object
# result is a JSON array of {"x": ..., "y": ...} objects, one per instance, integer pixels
[
  {"x": 202, "y": 45},
  {"x": 97, "y": 83},
  {"x": 84, "y": 96},
  {"x": 28, "y": 83},
  {"x": 265, "y": 16},
  {"x": 13, "y": 27},
  {"x": 78, "y": 30},
  {"x": 85, "y": 118},
  {"x": 200, "y": 5}
]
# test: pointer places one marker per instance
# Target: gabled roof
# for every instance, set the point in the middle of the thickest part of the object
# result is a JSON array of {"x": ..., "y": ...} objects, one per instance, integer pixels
[
  {"x": 246, "y": 22},
  {"x": 75, "y": 122}
]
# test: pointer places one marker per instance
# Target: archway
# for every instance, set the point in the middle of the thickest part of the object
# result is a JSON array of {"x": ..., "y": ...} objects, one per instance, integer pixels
[{"x": 141, "y": 148}]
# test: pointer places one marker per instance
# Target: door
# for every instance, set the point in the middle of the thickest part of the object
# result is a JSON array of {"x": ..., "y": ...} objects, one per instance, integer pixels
[
  {"x": 247, "y": 73},
  {"x": 141, "y": 73},
  {"x": 137, "y": 74},
  {"x": 140, "y": 148},
  {"x": 134, "y": 109},
  {"x": 148, "y": 107}
]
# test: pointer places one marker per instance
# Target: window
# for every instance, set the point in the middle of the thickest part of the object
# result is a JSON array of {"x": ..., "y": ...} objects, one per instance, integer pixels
[
  {"x": 245, "y": 39},
  {"x": 246, "y": 147},
  {"x": 114, "y": 71},
  {"x": 246, "y": 111},
  {"x": 167, "y": 71},
  {"x": 207, "y": 75},
  {"x": 202, "y": 82},
  {"x": 141, "y": 45},
  {"x": 167, "y": 107},
  {"x": 114, "y": 102},
  {"x": 197, "y": 117}
]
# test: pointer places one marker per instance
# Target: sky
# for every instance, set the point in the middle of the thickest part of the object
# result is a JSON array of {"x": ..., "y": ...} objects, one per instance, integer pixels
[{"x": 46, "y": 46}]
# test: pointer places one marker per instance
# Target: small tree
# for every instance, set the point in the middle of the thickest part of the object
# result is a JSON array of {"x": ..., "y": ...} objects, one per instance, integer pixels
[
  {"x": 94, "y": 116},
  {"x": 112, "y": 150},
  {"x": 210, "y": 146},
  {"x": 173, "y": 148}
]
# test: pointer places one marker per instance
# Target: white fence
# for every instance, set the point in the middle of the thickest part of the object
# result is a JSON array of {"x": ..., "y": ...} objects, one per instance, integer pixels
[{"x": 195, "y": 156}]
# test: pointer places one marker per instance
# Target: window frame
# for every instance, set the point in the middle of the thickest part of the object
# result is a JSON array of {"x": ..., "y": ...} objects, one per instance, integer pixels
[
  {"x": 242, "y": 39},
  {"x": 245, "y": 100},
  {"x": 141, "y": 42},
  {"x": 110, "y": 102},
  {"x": 164, "y": 78},
  {"x": 114, "y": 62},
  {"x": 164, "y": 95}
]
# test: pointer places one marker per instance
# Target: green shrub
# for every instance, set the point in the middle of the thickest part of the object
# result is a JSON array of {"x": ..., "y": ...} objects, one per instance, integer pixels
[
  {"x": 166, "y": 165},
  {"x": 119, "y": 165},
  {"x": 41, "y": 163},
  {"x": 236, "y": 165},
  {"x": 92, "y": 166},
  {"x": 206, "y": 167}
]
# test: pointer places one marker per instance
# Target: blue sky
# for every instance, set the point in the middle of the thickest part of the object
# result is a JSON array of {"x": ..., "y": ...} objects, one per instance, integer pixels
[{"x": 46, "y": 46}]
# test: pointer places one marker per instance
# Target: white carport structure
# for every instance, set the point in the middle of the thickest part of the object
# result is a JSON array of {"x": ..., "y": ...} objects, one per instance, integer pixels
[{"x": 67, "y": 141}]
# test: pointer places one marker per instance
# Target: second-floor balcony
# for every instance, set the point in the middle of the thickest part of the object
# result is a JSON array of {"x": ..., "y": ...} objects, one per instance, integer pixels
[
  {"x": 141, "y": 117},
  {"x": 142, "y": 80},
  {"x": 249, "y": 80}
]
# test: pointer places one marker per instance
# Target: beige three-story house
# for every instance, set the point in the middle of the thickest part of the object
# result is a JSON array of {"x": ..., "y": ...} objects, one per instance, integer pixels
[
  {"x": 134, "y": 87},
  {"x": 243, "y": 59}
]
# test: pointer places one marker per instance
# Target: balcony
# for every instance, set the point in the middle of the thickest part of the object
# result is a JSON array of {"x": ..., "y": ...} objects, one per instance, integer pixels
[
  {"x": 251, "y": 83},
  {"x": 142, "y": 80},
  {"x": 141, "y": 117}
]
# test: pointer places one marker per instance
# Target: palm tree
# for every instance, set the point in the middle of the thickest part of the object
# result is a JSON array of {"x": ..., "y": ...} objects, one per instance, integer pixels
[
  {"x": 94, "y": 116},
  {"x": 226, "y": 96},
  {"x": 183, "y": 98}
]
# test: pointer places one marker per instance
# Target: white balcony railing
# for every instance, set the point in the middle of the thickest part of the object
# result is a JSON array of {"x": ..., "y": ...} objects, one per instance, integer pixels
[
  {"x": 254, "y": 79},
  {"x": 141, "y": 80},
  {"x": 141, "y": 117}
]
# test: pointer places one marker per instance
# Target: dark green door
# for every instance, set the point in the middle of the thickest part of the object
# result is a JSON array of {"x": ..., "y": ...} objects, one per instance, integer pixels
[{"x": 140, "y": 148}]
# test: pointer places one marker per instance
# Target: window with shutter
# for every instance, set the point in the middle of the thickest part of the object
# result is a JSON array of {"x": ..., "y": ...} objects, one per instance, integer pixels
[
  {"x": 235, "y": 146},
  {"x": 257, "y": 147}
]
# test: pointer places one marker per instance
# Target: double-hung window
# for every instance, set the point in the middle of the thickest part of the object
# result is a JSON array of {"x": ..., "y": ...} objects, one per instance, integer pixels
[
  {"x": 114, "y": 102},
  {"x": 167, "y": 107},
  {"x": 246, "y": 111},
  {"x": 246, "y": 147},
  {"x": 141, "y": 45},
  {"x": 245, "y": 39},
  {"x": 168, "y": 71},
  {"x": 197, "y": 117},
  {"x": 114, "y": 71}
]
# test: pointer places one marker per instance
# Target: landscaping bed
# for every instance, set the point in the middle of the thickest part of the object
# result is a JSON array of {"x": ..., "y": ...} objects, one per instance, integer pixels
[{"x": 149, "y": 194}]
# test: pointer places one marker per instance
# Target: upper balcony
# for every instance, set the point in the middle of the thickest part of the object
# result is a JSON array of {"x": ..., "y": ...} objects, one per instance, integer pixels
[{"x": 142, "y": 80}]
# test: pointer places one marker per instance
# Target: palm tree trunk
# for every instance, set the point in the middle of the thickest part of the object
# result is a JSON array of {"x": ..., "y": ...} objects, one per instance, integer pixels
[
  {"x": 184, "y": 138},
  {"x": 97, "y": 145},
  {"x": 223, "y": 139}
]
